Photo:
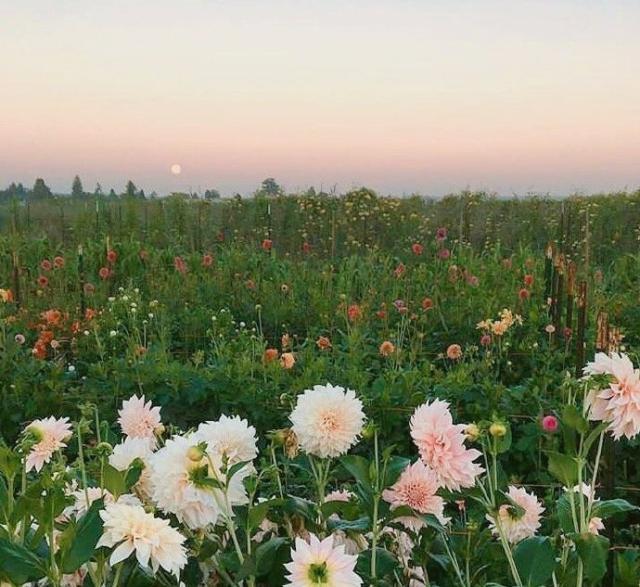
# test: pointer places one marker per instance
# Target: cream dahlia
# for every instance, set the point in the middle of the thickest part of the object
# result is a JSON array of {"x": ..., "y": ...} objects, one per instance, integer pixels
[
  {"x": 441, "y": 446},
  {"x": 139, "y": 419},
  {"x": 327, "y": 420},
  {"x": 232, "y": 438},
  {"x": 517, "y": 525},
  {"x": 316, "y": 563},
  {"x": 50, "y": 435},
  {"x": 416, "y": 488},
  {"x": 82, "y": 500},
  {"x": 126, "y": 452},
  {"x": 619, "y": 403},
  {"x": 181, "y": 483},
  {"x": 130, "y": 529}
]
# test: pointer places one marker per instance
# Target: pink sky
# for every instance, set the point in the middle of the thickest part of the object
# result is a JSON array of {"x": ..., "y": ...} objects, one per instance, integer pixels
[{"x": 404, "y": 96}]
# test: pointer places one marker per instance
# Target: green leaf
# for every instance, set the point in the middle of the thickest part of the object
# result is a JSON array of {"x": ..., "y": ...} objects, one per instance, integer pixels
[
  {"x": 395, "y": 466},
  {"x": 360, "y": 525},
  {"x": 235, "y": 469},
  {"x": 386, "y": 563},
  {"x": 593, "y": 551},
  {"x": 132, "y": 476},
  {"x": 610, "y": 507},
  {"x": 19, "y": 565},
  {"x": 9, "y": 462},
  {"x": 564, "y": 468},
  {"x": 573, "y": 418},
  {"x": 563, "y": 509},
  {"x": 262, "y": 560},
  {"x": 259, "y": 512},
  {"x": 357, "y": 467},
  {"x": 114, "y": 481},
  {"x": 87, "y": 533},
  {"x": 535, "y": 560}
]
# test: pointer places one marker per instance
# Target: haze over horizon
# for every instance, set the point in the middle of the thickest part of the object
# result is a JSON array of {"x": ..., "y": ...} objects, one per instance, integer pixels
[{"x": 402, "y": 96}]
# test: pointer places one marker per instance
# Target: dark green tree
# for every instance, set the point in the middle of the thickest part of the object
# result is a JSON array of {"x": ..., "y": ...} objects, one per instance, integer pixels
[
  {"x": 77, "y": 191},
  {"x": 270, "y": 187},
  {"x": 98, "y": 191},
  {"x": 40, "y": 190},
  {"x": 130, "y": 190},
  {"x": 211, "y": 194}
]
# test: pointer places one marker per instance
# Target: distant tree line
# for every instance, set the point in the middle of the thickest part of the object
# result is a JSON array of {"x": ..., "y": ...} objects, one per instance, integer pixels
[{"x": 40, "y": 191}]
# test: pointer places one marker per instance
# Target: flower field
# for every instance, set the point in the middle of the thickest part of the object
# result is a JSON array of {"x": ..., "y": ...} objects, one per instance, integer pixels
[{"x": 318, "y": 390}]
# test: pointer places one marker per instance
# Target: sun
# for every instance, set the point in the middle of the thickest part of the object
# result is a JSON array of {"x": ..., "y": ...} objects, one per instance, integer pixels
[{"x": 176, "y": 169}]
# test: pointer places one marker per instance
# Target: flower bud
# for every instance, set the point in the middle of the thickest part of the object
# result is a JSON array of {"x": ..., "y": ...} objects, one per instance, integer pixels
[
  {"x": 104, "y": 449},
  {"x": 472, "y": 432},
  {"x": 196, "y": 453},
  {"x": 497, "y": 430}
]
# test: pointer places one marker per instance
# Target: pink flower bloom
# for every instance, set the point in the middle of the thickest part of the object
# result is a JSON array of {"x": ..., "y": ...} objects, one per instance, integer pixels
[
  {"x": 139, "y": 419},
  {"x": 444, "y": 254},
  {"x": 441, "y": 234},
  {"x": 549, "y": 423},
  {"x": 180, "y": 265},
  {"x": 50, "y": 434},
  {"x": 619, "y": 403},
  {"x": 454, "y": 352},
  {"x": 515, "y": 526},
  {"x": 416, "y": 488},
  {"x": 441, "y": 446}
]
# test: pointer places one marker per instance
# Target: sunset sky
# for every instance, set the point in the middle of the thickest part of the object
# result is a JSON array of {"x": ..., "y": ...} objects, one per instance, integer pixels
[{"x": 428, "y": 96}]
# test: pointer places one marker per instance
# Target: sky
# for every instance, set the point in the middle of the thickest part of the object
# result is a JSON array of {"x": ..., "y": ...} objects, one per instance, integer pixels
[{"x": 404, "y": 96}]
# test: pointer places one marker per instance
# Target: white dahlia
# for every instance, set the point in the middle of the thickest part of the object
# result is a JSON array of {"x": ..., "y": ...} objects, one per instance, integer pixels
[
  {"x": 130, "y": 529},
  {"x": 316, "y": 563},
  {"x": 232, "y": 438},
  {"x": 82, "y": 500},
  {"x": 50, "y": 435},
  {"x": 327, "y": 420},
  {"x": 139, "y": 419},
  {"x": 516, "y": 525},
  {"x": 180, "y": 476},
  {"x": 126, "y": 452}
]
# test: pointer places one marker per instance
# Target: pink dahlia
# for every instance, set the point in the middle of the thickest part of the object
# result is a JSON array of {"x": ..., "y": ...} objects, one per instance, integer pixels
[
  {"x": 619, "y": 403},
  {"x": 50, "y": 435},
  {"x": 521, "y": 522},
  {"x": 416, "y": 488},
  {"x": 139, "y": 419},
  {"x": 441, "y": 446}
]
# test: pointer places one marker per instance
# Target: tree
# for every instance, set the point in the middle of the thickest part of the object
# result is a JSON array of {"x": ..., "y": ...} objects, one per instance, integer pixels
[
  {"x": 41, "y": 190},
  {"x": 112, "y": 194},
  {"x": 131, "y": 190},
  {"x": 211, "y": 194},
  {"x": 77, "y": 191},
  {"x": 270, "y": 187},
  {"x": 98, "y": 191}
]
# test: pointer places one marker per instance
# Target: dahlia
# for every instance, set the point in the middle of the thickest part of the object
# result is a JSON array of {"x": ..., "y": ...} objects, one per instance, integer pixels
[
  {"x": 441, "y": 446},
  {"x": 518, "y": 526},
  {"x": 232, "y": 438},
  {"x": 50, "y": 435},
  {"x": 321, "y": 563},
  {"x": 82, "y": 500},
  {"x": 416, "y": 488},
  {"x": 618, "y": 404},
  {"x": 179, "y": 472},
  {"x": 126, "y": 452},
  {"x": 327, "y": 420},
  {"x": 155, "y": 543},
  {"x": 139, "y": 419}
]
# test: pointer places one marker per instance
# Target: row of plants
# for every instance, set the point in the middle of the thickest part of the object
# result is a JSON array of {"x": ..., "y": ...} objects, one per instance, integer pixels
[{"x": 324, "y": 501}]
